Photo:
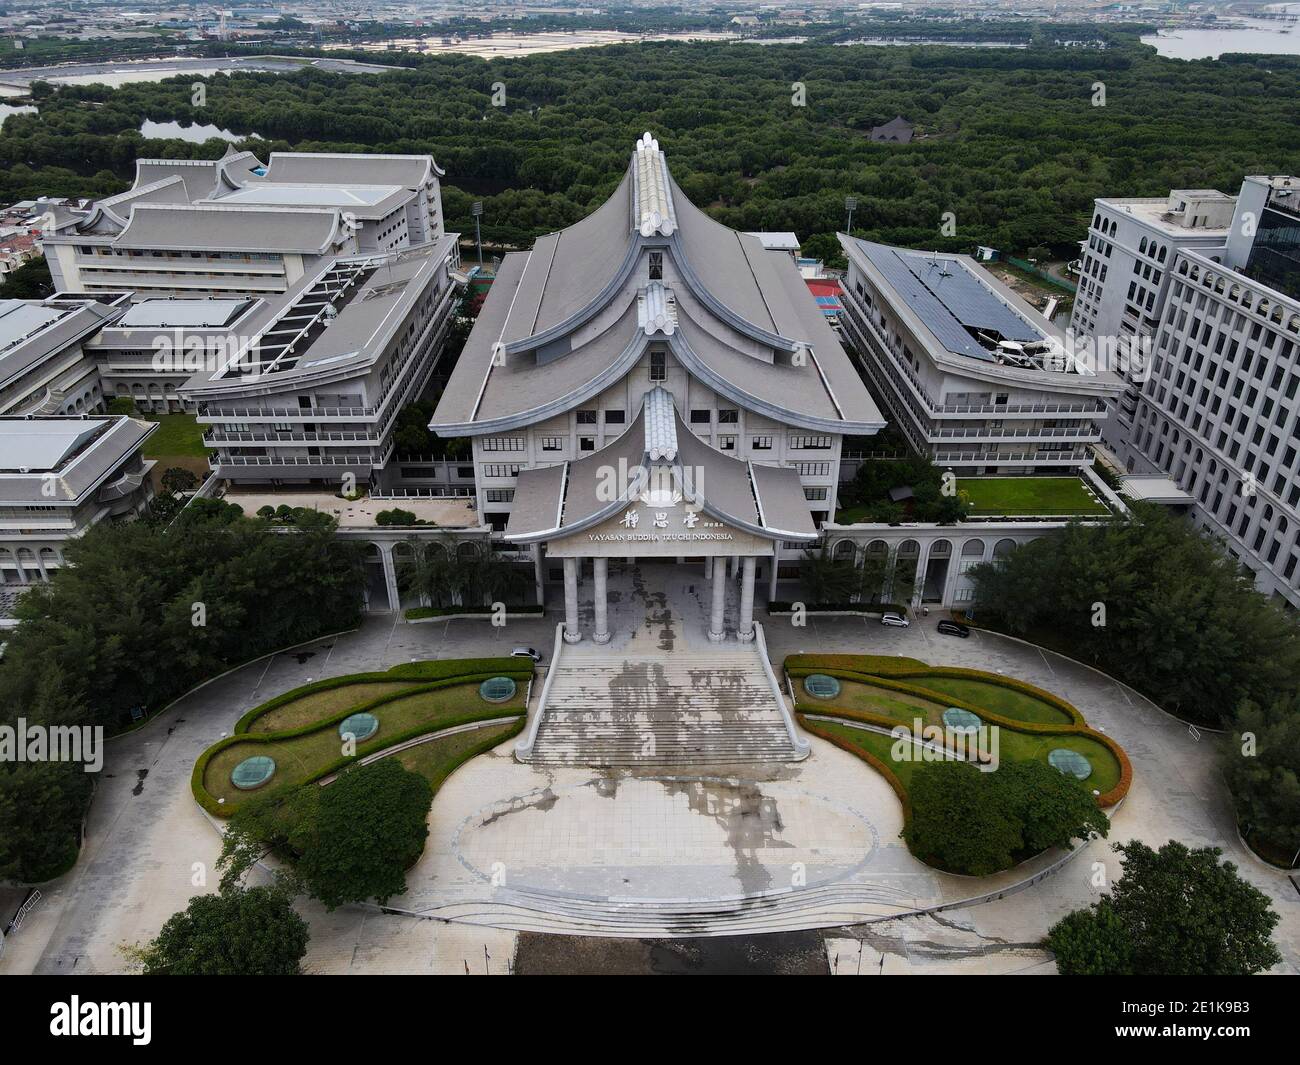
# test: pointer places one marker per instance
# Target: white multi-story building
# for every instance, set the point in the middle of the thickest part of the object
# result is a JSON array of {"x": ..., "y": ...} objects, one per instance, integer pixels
[
  {"x": 46, "y": 366},
  {"x": 972, "y": 375},
  {"x": 649, "y": 337},
  {"x": 311, "y": 396},
  {"x": 1124, "y": 276},
  {"x": 235, "y": 226},
  {"x": 1217, "y": 411},
  {"x": 58, "y": 477}
]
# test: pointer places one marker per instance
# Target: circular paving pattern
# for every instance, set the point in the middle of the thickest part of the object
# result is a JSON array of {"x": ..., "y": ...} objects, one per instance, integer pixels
[
  {"x": 360, "y": 726},
  {"x": 821, "y": 686},
  {"x": 253, "y": 772},
  {"x": 665, "y": 838},
  {"x": 497, "y": 689},
  {"x": 1071, "y": 763},
  {"x": 960, "y": 720}
]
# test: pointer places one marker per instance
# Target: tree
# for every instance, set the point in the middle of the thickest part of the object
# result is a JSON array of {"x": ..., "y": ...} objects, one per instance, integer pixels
[
  {"x": 368, "y": 828},
  {"x": 428, "y": 570},
  {"x": 827, "y": 579},
  {"x": 1053, "y": 809},
  {"x": 1182, "y": 912},
  {"x": 1262, "y": 769},
  {"x": 348, "y": 842},
  {"x": 236, "y": 932},
  {"x": 122, "y": 405},
  {"x": 1091, "y": 942},
  {"x": 957, "y": 824},
  {"x": 178, "y": 479},
  {"x": 969, "y": 821},
  {"x": 1149, "y": 599}
]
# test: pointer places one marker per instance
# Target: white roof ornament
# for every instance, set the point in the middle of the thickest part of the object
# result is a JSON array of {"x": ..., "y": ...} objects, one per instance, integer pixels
[
  {"x": 660, "y": 425},
  {"x": 657, "y": 310},
  {"x": 653, "y": 212}
]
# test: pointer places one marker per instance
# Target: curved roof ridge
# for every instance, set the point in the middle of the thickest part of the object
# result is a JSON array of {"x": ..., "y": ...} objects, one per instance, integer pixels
[{"x": 654, "y": 212}]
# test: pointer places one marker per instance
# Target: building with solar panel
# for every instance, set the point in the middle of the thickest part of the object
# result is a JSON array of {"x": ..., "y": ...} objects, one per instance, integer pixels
[{"x": 970, "y": 373}]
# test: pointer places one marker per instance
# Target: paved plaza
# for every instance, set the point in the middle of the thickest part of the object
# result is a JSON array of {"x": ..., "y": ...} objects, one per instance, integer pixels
[{"x": 632, "y": 852}]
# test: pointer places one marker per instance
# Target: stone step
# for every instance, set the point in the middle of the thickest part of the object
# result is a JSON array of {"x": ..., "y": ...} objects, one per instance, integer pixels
[{"x": 703, "y": 707}]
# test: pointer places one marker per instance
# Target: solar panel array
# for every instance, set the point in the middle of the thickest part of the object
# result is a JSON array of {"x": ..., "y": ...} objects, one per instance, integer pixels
[{"x": 949, "y": 300}]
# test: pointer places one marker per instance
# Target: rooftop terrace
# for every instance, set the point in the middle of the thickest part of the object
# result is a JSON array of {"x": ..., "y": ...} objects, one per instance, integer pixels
[{"x": 448, "y": 512}]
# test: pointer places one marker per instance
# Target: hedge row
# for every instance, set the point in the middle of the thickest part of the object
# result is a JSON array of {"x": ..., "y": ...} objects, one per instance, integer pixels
[
  {"x": 882, "y": 666},
  {"x": 416, "y": 612},
  {"x": 780, "y": 606},
  {"x": 206, "y": 800},
  {"x": 415, "y": 671},
  {"x": 1080, "y": 727}
]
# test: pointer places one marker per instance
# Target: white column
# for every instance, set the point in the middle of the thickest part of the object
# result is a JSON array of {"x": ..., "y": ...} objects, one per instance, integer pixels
[
  {"x": 745, "y": 630},
  {"x": 776, "y": 563},
  {"x": 735, "y": 565},
  {"x": 601, "y": 635},
  {"x": 571, "y": 633},
  {"x": 390, "y": 576},
  {"x": 539, "y": 576},
  {"x": 922, "y": 565},
  {"x": 708, "y": 567},
  {"x": 718, "y": 618}
]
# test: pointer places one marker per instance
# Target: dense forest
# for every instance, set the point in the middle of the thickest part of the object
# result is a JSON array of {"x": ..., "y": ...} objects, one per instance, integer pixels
[{"x": 1010, "y": 140}]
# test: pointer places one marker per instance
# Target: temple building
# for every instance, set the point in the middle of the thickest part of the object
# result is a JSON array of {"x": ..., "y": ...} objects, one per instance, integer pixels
[{"x": 649, "y": 384}]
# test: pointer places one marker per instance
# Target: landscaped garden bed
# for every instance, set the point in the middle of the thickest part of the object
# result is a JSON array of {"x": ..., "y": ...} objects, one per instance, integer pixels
[
  {"x": 891, "y": 692},
  {"x": 300, "y": 730}
]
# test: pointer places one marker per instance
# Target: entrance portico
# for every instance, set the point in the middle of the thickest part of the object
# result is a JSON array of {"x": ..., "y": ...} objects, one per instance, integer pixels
[{"x": 659, "y": 492}]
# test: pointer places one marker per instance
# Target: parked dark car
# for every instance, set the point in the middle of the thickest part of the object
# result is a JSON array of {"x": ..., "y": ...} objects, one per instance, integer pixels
[{"x": 953, "y": 628}]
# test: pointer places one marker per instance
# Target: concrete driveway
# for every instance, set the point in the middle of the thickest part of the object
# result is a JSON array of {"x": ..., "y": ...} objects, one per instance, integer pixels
[
  {"x": 149, "y": 848},
  {"x": 1177, "y": 791}
]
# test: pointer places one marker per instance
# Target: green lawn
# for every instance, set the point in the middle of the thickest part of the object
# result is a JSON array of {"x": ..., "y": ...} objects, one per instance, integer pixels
[
  {"x": 1017, "y": 705},
  {"x": 904, "y": 708},
  {"x": 1029, "y": 495},
  {"x": 316, "y": 706},
  {"x": 177, "y": 435},
  {"x": 888, "y": 692},
  {"x": 305, "y": 757}
]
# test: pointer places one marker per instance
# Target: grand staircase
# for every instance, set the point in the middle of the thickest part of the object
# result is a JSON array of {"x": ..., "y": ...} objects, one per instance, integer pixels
[{"x": 686, "y": 707}]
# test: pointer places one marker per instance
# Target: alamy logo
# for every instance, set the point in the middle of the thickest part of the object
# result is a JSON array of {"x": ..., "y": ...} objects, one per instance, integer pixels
[
  {"x": 978, "y": 744},
  {"x": 53, "y": 743},
  {"x": 134, "y": 1019}
]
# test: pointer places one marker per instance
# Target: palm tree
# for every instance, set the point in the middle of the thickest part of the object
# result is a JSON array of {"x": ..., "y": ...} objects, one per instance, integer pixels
[
  {"x": 497, "y": 578},
  {"x": 827, "y": 579},
  {"x": 428, "y": 571}
]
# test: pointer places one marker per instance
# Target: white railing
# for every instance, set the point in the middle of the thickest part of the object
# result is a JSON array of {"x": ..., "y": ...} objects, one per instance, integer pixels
[
  {"x": 219, "y": 437},
  {"x": 801, "y": 744},
  {"x": 424, "y": 493},
  {"x": 1045, "y": 457},
  {"x": 295, "y": 460},
  {"x": 524, "y": 748},
  {"x": 1081, "y": 433}
]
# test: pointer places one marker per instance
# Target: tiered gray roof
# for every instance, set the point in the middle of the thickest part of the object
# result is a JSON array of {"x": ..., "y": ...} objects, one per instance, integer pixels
[
  {"x": 61, "y": 461},
  {"x": 187, "y": 227},
  {"x": 409, "y": 171},
  {"x": 567, "y": 319},
  {"x": 658, "y": 447}
]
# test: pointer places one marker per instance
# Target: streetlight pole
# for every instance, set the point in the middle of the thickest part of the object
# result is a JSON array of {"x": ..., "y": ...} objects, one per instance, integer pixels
[
  {"x": 477, "y": 212},
  {"x": 850, "y": 205}
]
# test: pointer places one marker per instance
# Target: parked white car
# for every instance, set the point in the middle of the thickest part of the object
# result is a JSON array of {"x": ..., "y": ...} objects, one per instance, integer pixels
[{"x": 897, "y": 620}]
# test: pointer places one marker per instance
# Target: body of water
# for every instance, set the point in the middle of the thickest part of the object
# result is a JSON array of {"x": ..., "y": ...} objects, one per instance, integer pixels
[
  {"x": 194, "y": 132},
  {"x": 11, "y": 109},
  {"x": 1254, "y": 36}
]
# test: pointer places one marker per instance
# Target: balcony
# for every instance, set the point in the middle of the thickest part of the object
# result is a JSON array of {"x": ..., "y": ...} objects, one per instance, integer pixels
[
  {"x": 1088, "y": 433},
  {"x": 214, "y": 437},
  {"x": 1037, "y": 458},
  {"x": 293, "y": 460}
]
